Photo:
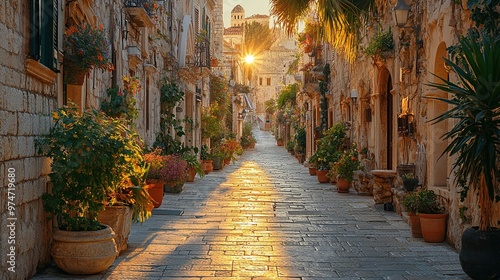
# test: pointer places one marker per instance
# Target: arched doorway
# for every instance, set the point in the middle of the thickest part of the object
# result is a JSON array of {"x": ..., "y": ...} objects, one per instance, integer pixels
[
  {"x": 386, "y": 139},
  {"x": 437, "y": 164}
]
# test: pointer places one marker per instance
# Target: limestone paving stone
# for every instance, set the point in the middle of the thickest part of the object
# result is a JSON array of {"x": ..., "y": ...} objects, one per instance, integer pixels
[{"x": 265, "y": 217}]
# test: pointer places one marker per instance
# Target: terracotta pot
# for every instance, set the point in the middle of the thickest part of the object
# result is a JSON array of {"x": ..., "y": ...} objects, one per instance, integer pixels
[
  {"x": 343, "y": 185},
  {"x": 227, "y": 161},
  {"x": 119, "y": 218},
  {"x": 207, "y": 166},
  {"x": 83, "y": 252},
  {"x": 155, "y": 190},
  {"x": 433, "y": 227},
  {"x": 312, "y": 171},
  {"x": 321, "y": 174},
  {"x": 279, "y": 142},
  {"x": 416, "y": 230},
  {"x": 191, "y": 174}
]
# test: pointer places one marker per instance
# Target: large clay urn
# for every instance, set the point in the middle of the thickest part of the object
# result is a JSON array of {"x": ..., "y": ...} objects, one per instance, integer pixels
[
  {"x": 119, "y": 218},
  {"x": 84, "y": 252}
]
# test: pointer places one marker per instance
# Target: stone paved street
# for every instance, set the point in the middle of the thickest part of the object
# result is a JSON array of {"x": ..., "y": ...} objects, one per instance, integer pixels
[{"x": 265, "y": 217}]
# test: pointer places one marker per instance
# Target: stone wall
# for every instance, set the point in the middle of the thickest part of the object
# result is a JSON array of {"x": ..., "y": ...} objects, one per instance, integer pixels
[
  {"x": 417, "y": 56},
  {"x": 26, "y": 103}
]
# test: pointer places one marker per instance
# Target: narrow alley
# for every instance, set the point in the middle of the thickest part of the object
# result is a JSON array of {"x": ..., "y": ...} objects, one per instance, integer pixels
[{"x": 265, "y": 217}]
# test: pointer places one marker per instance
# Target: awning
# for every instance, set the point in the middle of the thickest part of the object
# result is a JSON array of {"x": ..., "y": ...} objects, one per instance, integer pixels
[{"x": 247, "y": 101}]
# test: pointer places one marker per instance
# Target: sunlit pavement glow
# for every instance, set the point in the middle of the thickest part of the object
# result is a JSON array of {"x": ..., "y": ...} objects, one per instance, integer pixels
[{"x": 265, "y": 217}]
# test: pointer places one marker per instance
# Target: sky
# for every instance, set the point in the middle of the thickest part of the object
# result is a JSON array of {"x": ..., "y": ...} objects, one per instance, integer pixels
[{"x": 251, "y": 7}]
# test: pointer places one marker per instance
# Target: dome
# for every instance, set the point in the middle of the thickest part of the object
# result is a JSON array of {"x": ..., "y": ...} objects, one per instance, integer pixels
[{"x": 238, "y": 9}]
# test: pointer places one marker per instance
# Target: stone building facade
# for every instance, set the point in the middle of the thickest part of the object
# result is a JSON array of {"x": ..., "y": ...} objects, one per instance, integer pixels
[
  {"x": 384, "y": 99},
  {"x": 144, "y": 43}
]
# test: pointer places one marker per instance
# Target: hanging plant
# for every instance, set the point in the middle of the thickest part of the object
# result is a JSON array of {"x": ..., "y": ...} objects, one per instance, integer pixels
[
  {"x": 380, "y": 43},
  {"x": 85, "y": 48}
]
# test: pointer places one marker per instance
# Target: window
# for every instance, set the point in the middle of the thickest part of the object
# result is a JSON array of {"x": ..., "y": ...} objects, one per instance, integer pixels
[
  {"x": 268, "y": 81},
  {"x": 260, "y": 81},
  {"x": 43, "y": 32},
  {"x": 196, "y": 20}
]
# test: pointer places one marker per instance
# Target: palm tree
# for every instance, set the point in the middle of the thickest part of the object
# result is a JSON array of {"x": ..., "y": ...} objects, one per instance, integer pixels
[{"x": 340, "y": 19}]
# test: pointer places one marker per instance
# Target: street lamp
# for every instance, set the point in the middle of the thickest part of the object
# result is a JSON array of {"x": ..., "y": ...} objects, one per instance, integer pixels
[{"x": 401, "y": 11}]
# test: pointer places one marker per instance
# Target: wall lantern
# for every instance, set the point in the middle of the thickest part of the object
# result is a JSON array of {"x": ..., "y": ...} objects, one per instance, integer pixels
[
  {"x": 401, "y": 11},
  {"x": 242, "y": 115},
  {"x": 354, "y": 95}
]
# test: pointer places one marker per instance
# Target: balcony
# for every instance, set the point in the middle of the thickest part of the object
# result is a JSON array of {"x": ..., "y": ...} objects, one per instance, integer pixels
[
  {"x": 134, "y": 56},
  {"x": 202, "y": 51},
  {"x": 140, "y": 12}
]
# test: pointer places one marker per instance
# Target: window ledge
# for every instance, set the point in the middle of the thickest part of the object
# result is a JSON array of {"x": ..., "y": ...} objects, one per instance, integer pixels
[{"x": 40, "y": 71}]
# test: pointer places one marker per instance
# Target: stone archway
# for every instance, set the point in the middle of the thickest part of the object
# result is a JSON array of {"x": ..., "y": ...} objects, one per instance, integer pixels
[{"x": 386, "y": 119}]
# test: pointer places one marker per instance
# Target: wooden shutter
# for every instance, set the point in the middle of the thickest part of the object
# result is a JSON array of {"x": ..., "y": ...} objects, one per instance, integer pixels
[
  {"x": 49, "y": 34},
  {"x": 35, "y": 29}
]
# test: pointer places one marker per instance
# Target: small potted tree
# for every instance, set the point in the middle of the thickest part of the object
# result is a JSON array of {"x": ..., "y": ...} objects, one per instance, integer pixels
[{"x": 93, "y": 156}]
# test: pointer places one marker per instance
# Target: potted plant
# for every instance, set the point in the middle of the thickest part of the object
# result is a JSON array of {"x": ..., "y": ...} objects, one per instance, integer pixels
[
  {"x": 93, "y": 156},
  {"x": 474, "y": 141},
  {"x": 279, "y": 141},
  {"x": 194, "y": 166},
  {"x": 410, "y": 182},
  {"x": 381, "y": 43},
  {"x": 206, "y": 160},
  {"x": 247, "y": 140},
  {"x": 174, "y": 174},
  {"x": 230, "y": 147},
  {"x": 122, "y": 103},
  {"x": 411, "y": 204},
  {"x": 433, "y": 219},
  {"x": 290, "y": 145},
  {"x": 344, "y": 168},
  {"x": 155, "y": 184},
  {"x": 330, "y": 147},
  {"x": 85, "y": 48},
  {"x": 300, "y": 144},
  {"x": 218, "y": 156}
]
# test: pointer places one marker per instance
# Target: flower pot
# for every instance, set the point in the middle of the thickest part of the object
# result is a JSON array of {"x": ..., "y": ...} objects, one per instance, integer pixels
[
  {"x": 83, "y": 252},
  {"x": 155, "y": 190},
  {"x": 207, "y": 166},
  {"x": 217, "y": 163},
  {"x": 343, "y": 185},
  {"x": 191, "y": 174},
  {"x": 174, "y": 187},
  {"x": 119, "y": 218},
  {"x": 72, "y": 74},
  {"x": 300, "y": 157},
  {"x": 410, "y": 184},
  {"x": 321, "y": 174},
  {"x": 433, "y": 227},
  {"x": 416, "y": 230},
  {"x": 312, "y": 171},
  {"x": 279, "y": 142},
  {"x": 227, "y": 161},
  {"x": 480, "y": 256}
]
